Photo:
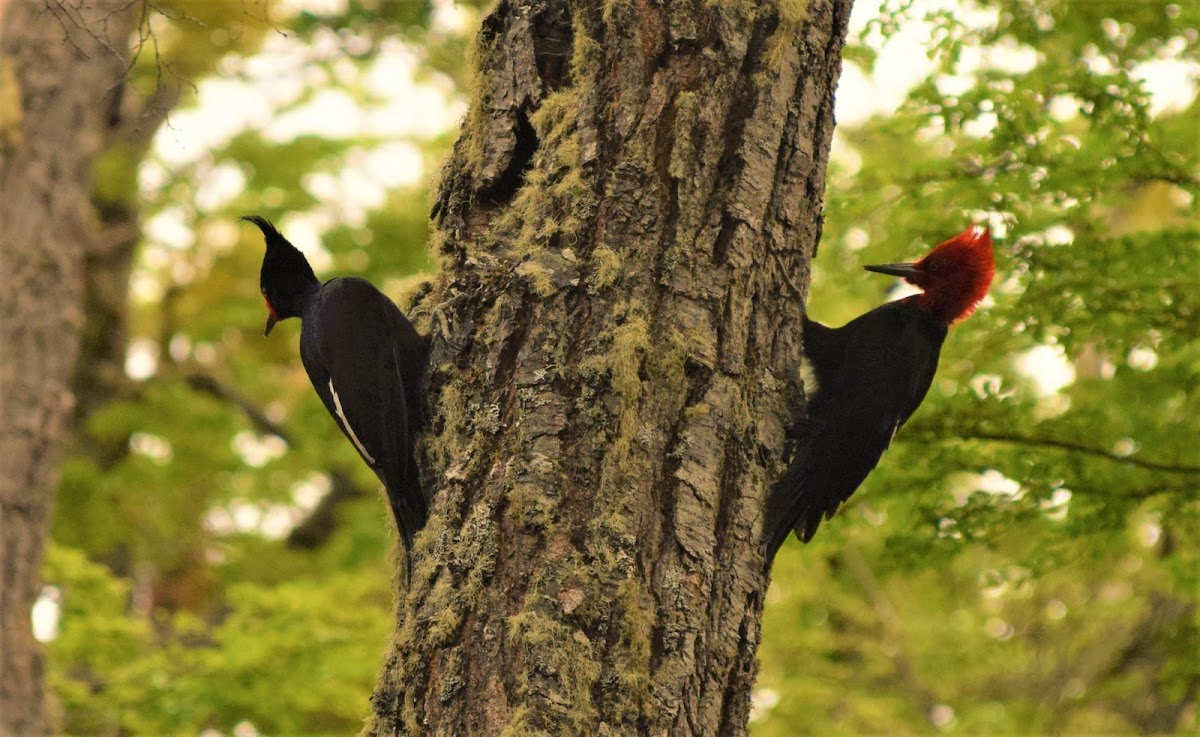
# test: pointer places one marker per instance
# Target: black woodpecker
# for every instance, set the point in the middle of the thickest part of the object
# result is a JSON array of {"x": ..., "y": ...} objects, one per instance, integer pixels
[
  {"x": 366, "y": 362},
  {"x": 870, "y": 376}
]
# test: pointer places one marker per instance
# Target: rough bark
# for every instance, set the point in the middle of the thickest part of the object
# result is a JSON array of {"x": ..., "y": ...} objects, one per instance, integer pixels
[
  {"x": 59, "y": 61},
  {"x": 626, "y": 225}
]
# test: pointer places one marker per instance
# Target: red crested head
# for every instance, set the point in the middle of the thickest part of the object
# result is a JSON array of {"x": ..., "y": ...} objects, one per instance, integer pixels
[{"x": 955, "y": 275}]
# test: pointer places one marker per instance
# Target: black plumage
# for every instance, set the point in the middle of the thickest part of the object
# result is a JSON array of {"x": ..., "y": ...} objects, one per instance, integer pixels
[
  {"x": 365, "y": 361},
  {"x": 870, "y": 376},
  {"x": 867, "y": 378}
]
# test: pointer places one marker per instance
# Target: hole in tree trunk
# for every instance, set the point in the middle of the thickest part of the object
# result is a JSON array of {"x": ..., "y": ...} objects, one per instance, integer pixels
[{"x": 507, "y": 184}]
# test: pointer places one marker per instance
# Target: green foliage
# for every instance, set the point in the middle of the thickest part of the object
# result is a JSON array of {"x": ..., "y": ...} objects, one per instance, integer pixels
[
  {"x": 288, "y": 658},
  {"x": 1064, "y": 600}
]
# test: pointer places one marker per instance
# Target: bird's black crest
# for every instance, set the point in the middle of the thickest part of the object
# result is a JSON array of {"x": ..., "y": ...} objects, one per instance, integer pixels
[
  {"x": 283, "y": 261},
  {"x": 270, "y": 233},
  {"x": 263, "y": 224}
]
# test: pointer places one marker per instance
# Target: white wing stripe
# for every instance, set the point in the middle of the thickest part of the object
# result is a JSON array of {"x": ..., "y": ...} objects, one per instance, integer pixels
[{"x": 337, "y": 405}]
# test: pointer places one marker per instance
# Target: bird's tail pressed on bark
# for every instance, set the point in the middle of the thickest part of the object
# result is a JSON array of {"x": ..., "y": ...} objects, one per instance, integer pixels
[
  {"x": 788, "y": 507},
  {"x": 409, "y": 511}
]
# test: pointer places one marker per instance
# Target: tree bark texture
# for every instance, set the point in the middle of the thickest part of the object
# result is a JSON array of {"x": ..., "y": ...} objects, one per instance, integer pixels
[
  {"x": 60, "y": 61},
  {"x": 626, "y": 224}
]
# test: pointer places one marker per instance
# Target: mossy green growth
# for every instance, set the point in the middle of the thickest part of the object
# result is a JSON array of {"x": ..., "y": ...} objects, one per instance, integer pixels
[
  {"x": 530, "y": 507},
  {"x": 452, "y": 442},
  {"x": 666, "y": 363},
  {"x": 630, "y": 342},
  {"x": 520, "y": 724},
  {"x": 474, "y": 130},
  {"x": 446, "y": 613},
  {"x": 558, "y": 675},
  {"x": 452, "y": 677},
  {"x": 539, "y": 278},
  {"x": 586, "y": 57},
  {"x": 631, "y": 354},
  {"x": 606, "y": 268},
  {"x": 555, "y": 202},
  {"x": 408, "y": 289},
  {"x": 636, "y": 630},
  {"x": 792, "y": 14},
  {"x": 425, "y": 565},
  {"x": 743, "y": 10},
  {"x": 476, "y": 549},
  {"x": 611, "y": 534}
]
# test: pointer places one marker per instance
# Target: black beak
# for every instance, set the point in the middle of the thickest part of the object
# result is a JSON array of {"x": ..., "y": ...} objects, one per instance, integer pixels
[
  {"x": 271, "y": 320},
  {"x": 904, "y": 271}
]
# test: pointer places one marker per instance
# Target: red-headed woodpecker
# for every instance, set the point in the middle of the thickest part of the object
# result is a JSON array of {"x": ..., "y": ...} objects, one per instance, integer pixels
[
  {"x": 870, "y": 375},
  {"x": 366, "y": 362}
]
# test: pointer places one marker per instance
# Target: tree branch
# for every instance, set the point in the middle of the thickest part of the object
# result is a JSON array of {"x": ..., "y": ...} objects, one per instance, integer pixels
[
  {"x": 1014, "y": 439},
  {"x": 320, "y": 524},
  {"x": 1060, "y": 444},
  {"x": 209, "y": 385}
]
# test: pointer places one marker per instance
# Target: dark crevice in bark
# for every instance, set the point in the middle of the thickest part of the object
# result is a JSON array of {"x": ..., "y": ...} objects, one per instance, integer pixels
[
  {"x": 510, "y": 180},
  {"x": 723, "y": 323},
  {"x": 666, "y": 486},
  {"x": 552, "y": 45},
  {"x": 788, "y": 152},
  {"x": 604, "y": 108},
  {"x": 731, "y": 498},
  {"x": 731, "y": 470},
  {"x": 666, "y": 489},
  {"x": 752, "y": 346},
  {"x": 724, "y": 238},
  {"x": 684, "y": 69},
  {"x": 735, "y": 712},
  {"x": 741, "y": 107},
  {"x": 581, "y": 457},
  {"x": 518, "y": 328},
  {"x": 664, "y": 143},
  {"x": 494, "y": 23}
]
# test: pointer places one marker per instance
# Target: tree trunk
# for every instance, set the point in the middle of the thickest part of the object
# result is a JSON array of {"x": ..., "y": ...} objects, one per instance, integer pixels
[
  {"x": 626, "y": 225},
  {"x": 60, "y": 63}
]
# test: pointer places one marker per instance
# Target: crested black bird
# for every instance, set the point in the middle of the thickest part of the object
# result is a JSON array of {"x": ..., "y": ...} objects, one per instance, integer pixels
[
  {"x": 366, "y": 362},
  {"x": 870, "y": 376}
]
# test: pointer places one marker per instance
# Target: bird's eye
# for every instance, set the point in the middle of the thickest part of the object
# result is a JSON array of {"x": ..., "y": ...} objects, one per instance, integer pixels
[{"x": 932, "y": 267}]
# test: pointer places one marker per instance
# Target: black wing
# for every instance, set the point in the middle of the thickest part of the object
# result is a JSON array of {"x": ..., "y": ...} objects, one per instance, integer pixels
[
  {"x": 871, "y": 376},
  {"x": 366, "y": 361}
]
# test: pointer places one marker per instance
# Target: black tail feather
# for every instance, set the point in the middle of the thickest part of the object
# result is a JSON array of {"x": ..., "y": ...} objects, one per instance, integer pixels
[
  {"x": 410, "y": 513},
  {"x": 790, "y": 506}
]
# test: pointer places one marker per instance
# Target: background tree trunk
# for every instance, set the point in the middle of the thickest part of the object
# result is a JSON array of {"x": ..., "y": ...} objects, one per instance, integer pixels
[
  {"x": 61, "y": 63},
  {"x": 626, "y": 225}
]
